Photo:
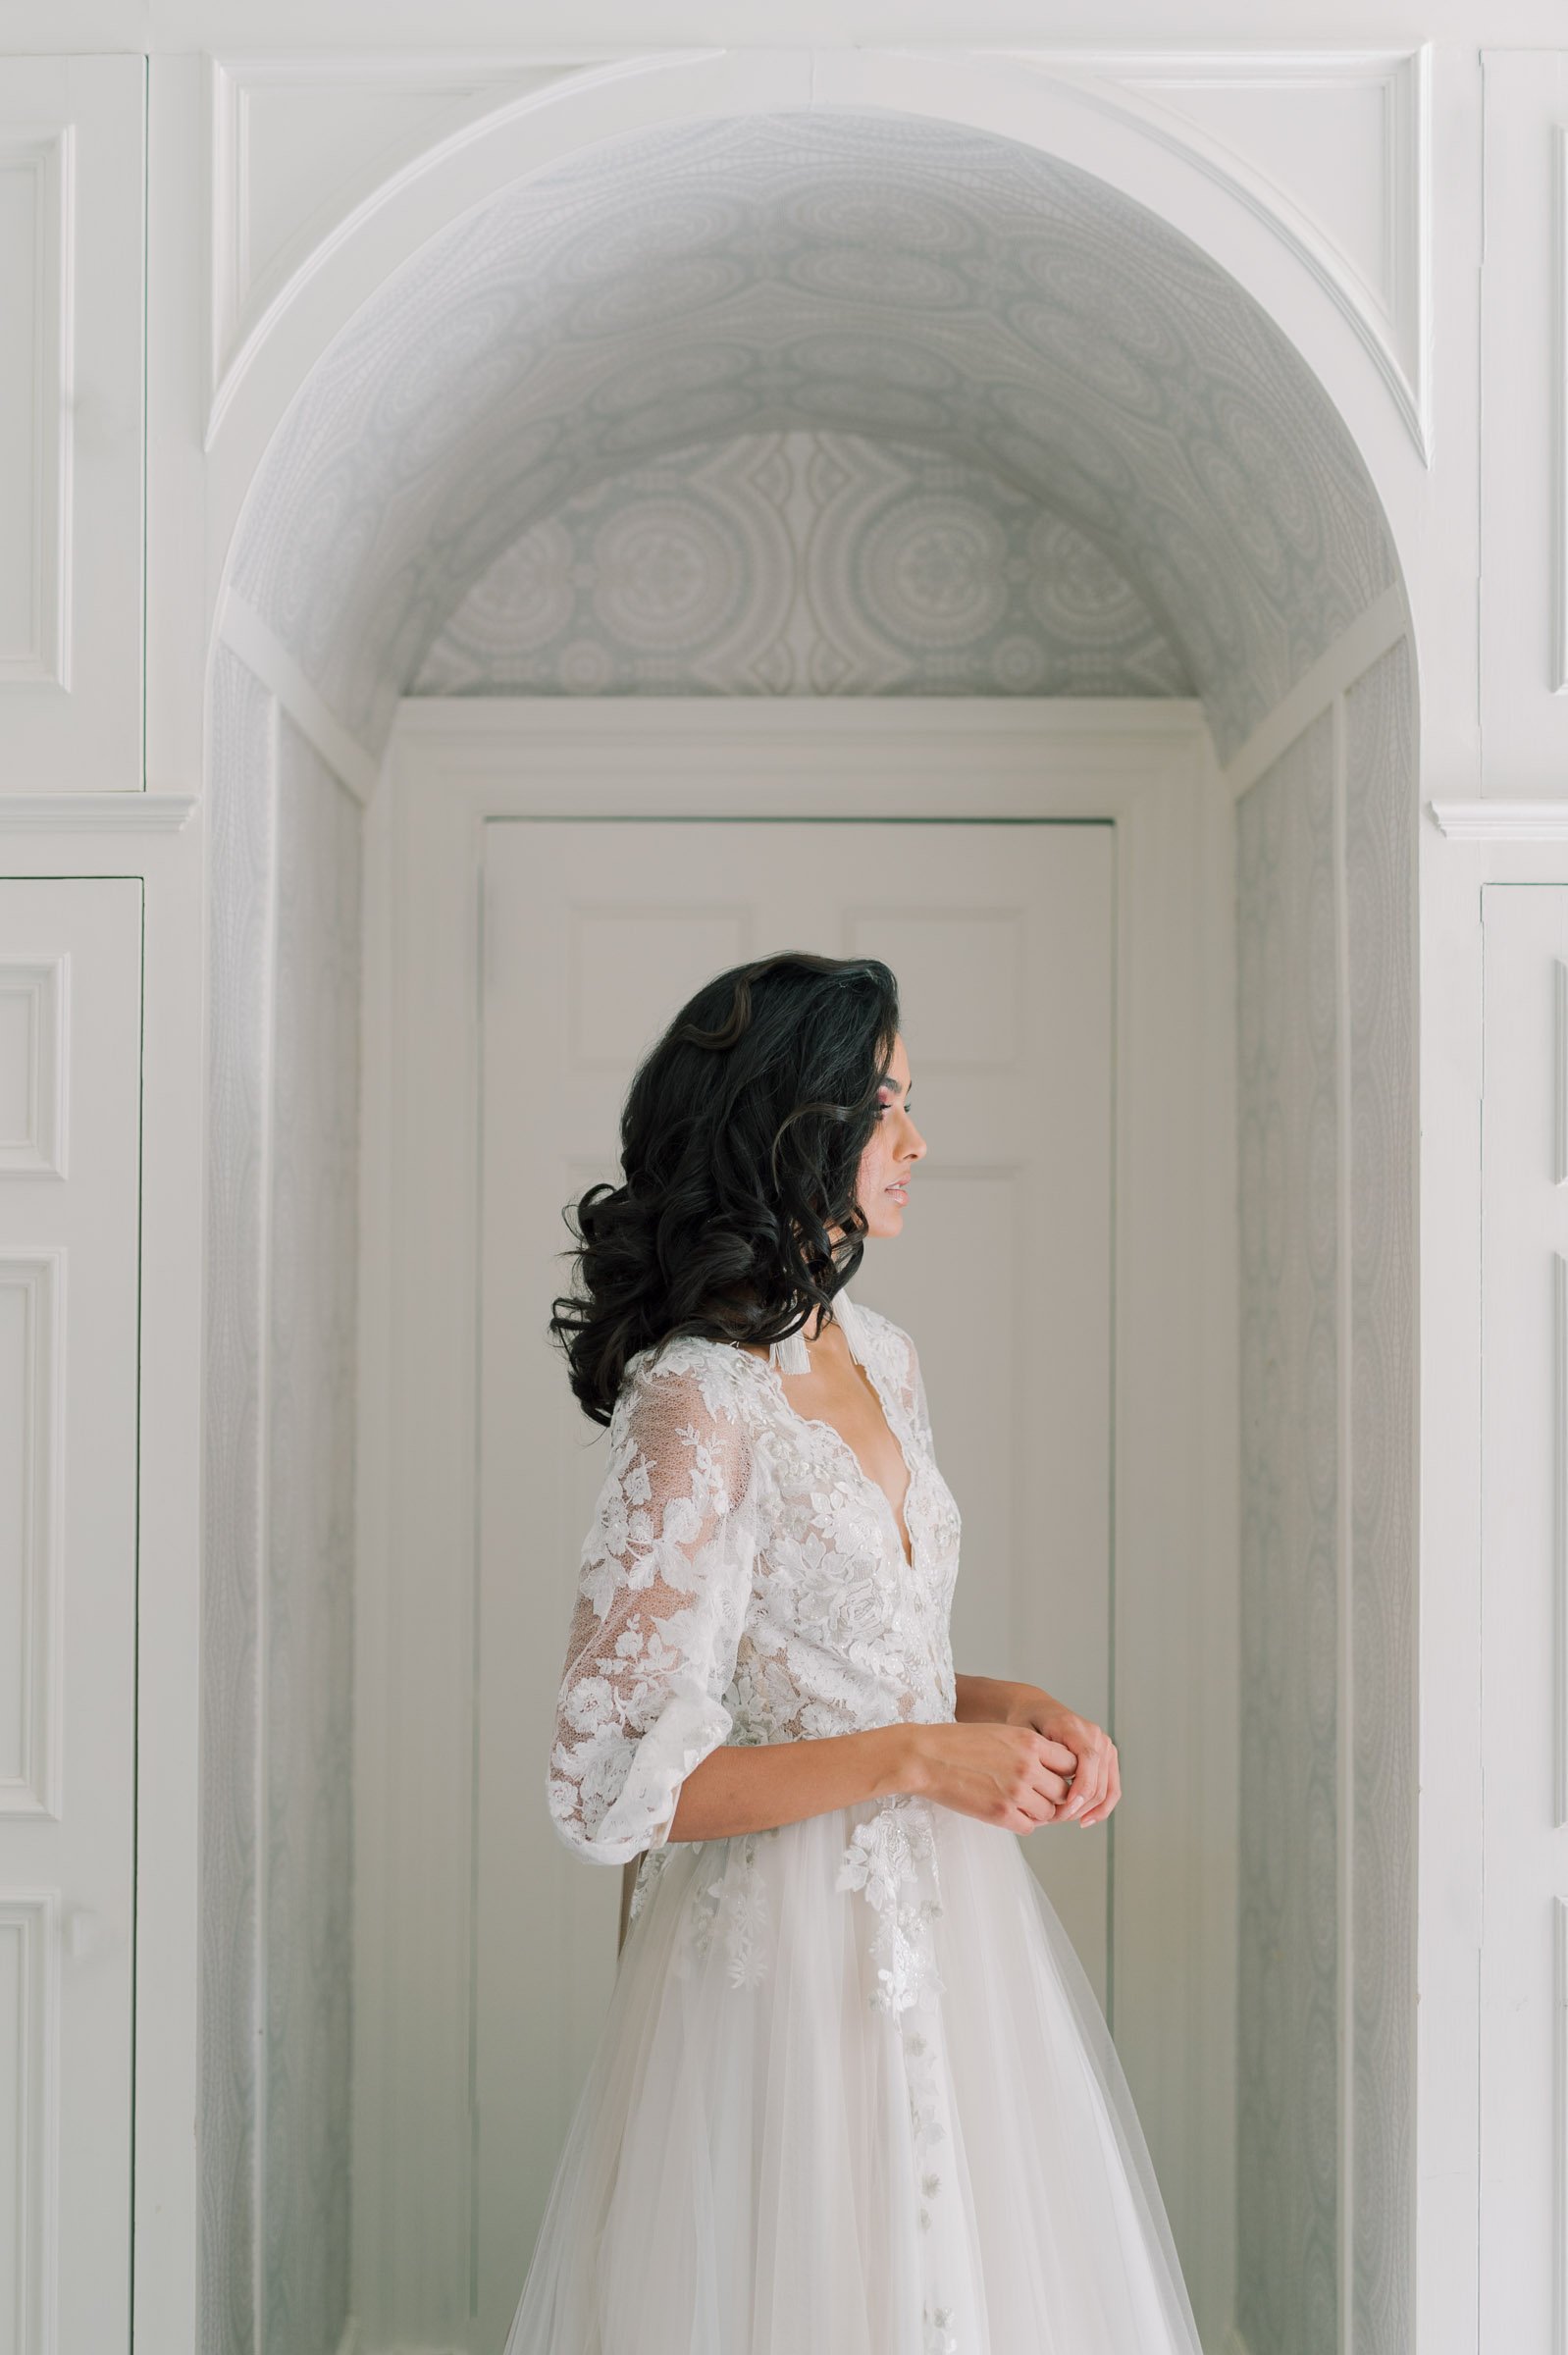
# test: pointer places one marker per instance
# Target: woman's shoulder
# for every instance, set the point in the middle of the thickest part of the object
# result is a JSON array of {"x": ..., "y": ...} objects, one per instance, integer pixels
[
  {"x": 689, "y": 1366},
  {"x": 884, "y": 1335}
]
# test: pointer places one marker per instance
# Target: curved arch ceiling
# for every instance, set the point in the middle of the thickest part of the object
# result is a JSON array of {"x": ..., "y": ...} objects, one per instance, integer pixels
[
  {"x": 801, "y": 565},
  {"x": 877, "y": 277}
]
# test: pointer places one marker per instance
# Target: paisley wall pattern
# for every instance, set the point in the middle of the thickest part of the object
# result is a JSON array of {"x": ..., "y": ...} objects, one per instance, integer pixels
[
  {"x": 309, "y": 1564},
  {"x": 804, "y": 564},
  {"x": 277, "y": 1670},
  {"x": 873, "y": 276},
  {"x": 240, "y": 847},
  {"x": 1381, "y": 868},
  {"x": 1286, "y": 2157}
]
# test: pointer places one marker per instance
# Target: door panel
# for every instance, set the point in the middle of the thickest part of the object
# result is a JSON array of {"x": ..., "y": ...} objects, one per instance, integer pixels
[
  {"x": 70, "y": 1130},
  {"x": 1002, "y": 937}
]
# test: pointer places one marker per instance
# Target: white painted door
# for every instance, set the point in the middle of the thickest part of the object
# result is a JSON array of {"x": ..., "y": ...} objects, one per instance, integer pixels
[
  {"x": 69, "y": 1194},
  {"x": 1001, "y": 938},
  {"x": 1524, "y": 1652}
]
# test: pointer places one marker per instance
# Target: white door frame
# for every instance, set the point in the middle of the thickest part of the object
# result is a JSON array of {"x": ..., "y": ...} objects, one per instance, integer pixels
[{"x": 1148, "y": 769}]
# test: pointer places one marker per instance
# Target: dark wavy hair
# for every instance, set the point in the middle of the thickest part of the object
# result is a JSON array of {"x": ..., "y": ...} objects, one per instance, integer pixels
[{"x": 741, "y": 1141}]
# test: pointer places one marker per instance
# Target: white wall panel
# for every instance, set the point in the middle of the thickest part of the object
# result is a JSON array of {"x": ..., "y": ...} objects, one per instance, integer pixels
[
  {"x": 35, "y": 1004},
  {"x": 69, "y": 1305},
  {"x": 30, "y": 2176},
  {"x": 1523, "y": 384},
  {"x": 1524, "y": 2153},
  {"x": 71, "y": 422},
  {"x": 30, "y": 1295}
]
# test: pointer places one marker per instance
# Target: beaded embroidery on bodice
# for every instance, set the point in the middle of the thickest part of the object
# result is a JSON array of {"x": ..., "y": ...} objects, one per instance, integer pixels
[{"x": 744, "y": 1581}]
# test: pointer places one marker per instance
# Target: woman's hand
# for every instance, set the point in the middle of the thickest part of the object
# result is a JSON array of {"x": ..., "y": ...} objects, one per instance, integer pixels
[
  {"x": 1005, "y": 1775},
  {"x": 1095, "y": 1771}
]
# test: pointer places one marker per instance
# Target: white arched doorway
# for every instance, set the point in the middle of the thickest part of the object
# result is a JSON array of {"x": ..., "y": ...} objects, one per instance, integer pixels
[{"x": 884, "y": 295}]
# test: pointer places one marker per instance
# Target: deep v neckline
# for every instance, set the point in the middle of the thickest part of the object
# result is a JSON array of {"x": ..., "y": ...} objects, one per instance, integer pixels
[{"x": 821, "y": 1423}]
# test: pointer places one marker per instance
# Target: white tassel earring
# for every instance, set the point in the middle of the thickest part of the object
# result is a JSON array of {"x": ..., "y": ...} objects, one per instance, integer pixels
[
  {"x": 790, "y": 1355},
  {"x": 848, "y": 1316}
]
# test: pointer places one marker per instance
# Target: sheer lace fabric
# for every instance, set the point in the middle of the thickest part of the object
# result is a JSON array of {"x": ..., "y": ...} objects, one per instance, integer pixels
[
  {"x": 744, "y": 1580},
  {"x": 854, "y": 2093}
]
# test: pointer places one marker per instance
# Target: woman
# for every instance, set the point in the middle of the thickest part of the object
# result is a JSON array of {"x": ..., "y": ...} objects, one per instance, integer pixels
[{"x": 853, "y": 2095}]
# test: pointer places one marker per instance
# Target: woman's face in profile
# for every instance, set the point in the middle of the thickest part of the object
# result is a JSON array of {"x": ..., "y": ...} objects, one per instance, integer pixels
[{"x": 894, "y": 1147}]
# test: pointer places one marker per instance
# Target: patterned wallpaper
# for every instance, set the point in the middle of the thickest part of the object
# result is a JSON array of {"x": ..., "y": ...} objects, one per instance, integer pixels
[
  {"x": 277, "y": 1667},
  {"x": 804, "y": 564},
  {"x": 1381, "y": 873},
  {"x": 1290, "y": 2127},
  {"x": 241, "y": 818},
  {"x": 1286, "y": 2155},
  {"x": 309, "y": 1689},
  {"x": 828, "y": 273}
]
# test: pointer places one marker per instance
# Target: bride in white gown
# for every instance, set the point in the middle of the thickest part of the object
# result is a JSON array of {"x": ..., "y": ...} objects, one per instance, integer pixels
[{"x": 854, "y": 2094}]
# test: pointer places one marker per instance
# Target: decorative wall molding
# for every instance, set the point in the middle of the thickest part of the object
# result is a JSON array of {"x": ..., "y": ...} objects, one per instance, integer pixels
[
  {"x": 72, "y": 417},
  {"x": 1560, "y": 1154},
  {"x": 1560, "y": 1534},
  {"x": 1559, "y": 1525},
  {"x": 1560, "y": 2074},
  {"x": 40, "y": 310},
  {"x": 1501, "y": 821},
  {"x": 36, "y": 1279},
  {"x": 1376, "y": 268},
  {"x": 43, "y": 987},
  {"x": 29, "y": 2029},
  {"x": 95, "y": 812},
  {"x": 1384, "y": 623},
  {"x": 304, "y": 147},
  {"x": 1559, "y": 410},
  {"x": 243, "y": 631}
]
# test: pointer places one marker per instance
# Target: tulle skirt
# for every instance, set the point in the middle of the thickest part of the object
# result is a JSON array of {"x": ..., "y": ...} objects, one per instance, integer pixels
[{"x": 854, "y": 2096}]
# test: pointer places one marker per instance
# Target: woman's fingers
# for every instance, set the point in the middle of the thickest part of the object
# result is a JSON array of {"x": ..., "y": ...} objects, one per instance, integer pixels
[
  {"x": 1096, "y": 1786},
  {"x": 1112, "y": 1793}
]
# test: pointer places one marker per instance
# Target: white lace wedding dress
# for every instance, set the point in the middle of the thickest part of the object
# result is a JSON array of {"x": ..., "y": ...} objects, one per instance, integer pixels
[{"x": 854, "y": 2094}]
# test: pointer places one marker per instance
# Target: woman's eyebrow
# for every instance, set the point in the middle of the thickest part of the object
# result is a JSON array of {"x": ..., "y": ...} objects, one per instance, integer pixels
[{"x": 897, "y": 1085}]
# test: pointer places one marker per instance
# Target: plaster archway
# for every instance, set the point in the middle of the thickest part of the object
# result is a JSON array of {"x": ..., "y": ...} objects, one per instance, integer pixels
[{"x": 390, "y": 487}]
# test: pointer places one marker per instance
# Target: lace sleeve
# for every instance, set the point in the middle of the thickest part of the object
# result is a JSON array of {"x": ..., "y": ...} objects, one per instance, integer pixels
[{"x": 663, "y": 1585}]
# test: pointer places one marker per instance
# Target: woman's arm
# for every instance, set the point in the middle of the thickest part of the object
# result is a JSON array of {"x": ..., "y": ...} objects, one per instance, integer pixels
[{"x": 1005, "y": 1775}]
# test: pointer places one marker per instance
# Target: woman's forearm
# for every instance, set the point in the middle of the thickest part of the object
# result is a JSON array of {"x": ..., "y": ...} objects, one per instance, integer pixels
[{"x": 751, "y": 1786}]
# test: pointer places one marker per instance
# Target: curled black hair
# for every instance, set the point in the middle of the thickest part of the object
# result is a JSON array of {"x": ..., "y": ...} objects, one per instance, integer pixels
[{"x": 741, "y": 1141}]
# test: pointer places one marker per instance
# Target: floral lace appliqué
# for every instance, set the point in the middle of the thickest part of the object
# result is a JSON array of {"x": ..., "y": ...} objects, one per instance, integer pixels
[
  {"x": 734, "y": 1899},
  {"x": 886, "y": 1857}
]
